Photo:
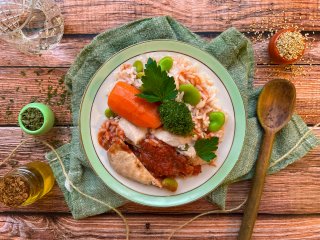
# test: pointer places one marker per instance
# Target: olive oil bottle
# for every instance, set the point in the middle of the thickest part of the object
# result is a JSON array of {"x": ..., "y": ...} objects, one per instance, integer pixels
[{"x": 26, "y": 184}]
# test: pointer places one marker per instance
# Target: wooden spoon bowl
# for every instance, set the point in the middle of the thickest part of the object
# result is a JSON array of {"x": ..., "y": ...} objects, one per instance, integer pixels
[{"x": 276, "y": 104}]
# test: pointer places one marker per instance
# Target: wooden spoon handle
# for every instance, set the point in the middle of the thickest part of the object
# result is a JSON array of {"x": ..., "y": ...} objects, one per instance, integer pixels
[{"x": 252, "y": 206}]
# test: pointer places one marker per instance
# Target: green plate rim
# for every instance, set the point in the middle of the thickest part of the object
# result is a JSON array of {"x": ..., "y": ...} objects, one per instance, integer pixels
[{"x": 151, "y": 46}]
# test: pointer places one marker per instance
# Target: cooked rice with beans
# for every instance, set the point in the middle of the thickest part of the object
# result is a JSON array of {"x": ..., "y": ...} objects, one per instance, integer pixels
[{"x": 185, "y": 71}]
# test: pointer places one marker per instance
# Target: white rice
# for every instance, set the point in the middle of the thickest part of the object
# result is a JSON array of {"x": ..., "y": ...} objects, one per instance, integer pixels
[{"x": 128, "y": 74}]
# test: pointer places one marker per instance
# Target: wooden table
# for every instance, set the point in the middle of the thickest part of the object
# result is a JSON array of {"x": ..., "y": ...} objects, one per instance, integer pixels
[{"x": 290, "y": 207}]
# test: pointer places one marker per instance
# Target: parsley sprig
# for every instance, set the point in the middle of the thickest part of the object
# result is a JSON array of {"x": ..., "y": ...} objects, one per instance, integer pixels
[
  {"x": 205, "y": 148},
  {"x": 157, "y": 85}
]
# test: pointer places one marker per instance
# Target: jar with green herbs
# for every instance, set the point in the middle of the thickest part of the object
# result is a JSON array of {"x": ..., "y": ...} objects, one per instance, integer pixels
[
  {"x": 36, "y": 119},
  {"x": 26, "y": 184}
]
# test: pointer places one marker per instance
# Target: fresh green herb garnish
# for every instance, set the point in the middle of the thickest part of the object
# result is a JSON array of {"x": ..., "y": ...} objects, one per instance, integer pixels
[
  {"x": 32, "y": 119},
  {"x": 157, "y": 85},
  {"x": 205, "y": 148}
]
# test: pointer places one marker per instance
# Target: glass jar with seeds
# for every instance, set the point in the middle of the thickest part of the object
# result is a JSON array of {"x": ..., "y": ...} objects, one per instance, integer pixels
[
  {"x": 36, "y": 119},
  {"x": 26, "y": 184}
]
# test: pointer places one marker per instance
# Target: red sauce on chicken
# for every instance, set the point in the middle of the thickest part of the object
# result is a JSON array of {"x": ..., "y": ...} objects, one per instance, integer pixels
[{"x": 162, "y": 160}]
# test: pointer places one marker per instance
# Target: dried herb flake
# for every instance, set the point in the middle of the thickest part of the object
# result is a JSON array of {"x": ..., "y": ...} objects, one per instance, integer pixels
[{"x": 32, "y": 119}]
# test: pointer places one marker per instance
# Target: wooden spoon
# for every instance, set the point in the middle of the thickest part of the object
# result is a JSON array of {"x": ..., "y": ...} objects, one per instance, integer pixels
[{"x": 275, "y": 108}]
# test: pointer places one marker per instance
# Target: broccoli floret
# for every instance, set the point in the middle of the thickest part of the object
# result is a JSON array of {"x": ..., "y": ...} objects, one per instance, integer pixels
[{"x": 176, "y": 118}]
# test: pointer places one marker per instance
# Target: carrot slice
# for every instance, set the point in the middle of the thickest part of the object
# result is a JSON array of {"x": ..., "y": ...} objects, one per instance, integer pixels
[{"x": 123, "y": 101}]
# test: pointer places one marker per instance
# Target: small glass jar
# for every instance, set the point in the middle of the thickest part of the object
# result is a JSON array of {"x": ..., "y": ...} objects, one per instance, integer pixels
[{"x": 26, "y": 184}]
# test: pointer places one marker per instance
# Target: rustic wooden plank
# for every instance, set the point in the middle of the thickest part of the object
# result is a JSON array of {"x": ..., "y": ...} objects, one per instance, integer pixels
[
  {"x": 293, "y": 190},
  {"x": 311, "y": 55},
  {"x": 307, "y": 83},
  {"x": 19, "y": 86},
  {"x": 71, "y": 45},
  {"x": 62, "y": 56},
  {"x": 45, "y": 227},
  {"x": 95, "y": 16}
]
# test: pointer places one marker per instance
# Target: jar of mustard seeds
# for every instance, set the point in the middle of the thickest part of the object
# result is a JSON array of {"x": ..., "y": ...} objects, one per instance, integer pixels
[{"x": 26, "y": 184}]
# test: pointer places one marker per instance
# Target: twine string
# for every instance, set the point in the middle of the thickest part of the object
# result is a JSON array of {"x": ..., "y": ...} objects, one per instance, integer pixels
[
  {"x": 118, "y": 212},
  {"x": 68, "y": 179},
  {"x": 243, "y": 203},
  {"x": 206, "y": 213},
  {"x": 295, "y": 146}
]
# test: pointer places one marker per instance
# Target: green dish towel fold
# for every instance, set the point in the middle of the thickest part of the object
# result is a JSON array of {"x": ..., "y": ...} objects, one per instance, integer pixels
[{"x": 231, "y": 48}]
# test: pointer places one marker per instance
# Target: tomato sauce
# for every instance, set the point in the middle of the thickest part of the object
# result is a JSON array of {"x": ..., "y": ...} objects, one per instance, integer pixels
[{"x": 162, "y": 160}]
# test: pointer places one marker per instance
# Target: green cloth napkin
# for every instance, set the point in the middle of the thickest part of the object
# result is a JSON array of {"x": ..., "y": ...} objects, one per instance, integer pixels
[{"x": 231, "y": 48}]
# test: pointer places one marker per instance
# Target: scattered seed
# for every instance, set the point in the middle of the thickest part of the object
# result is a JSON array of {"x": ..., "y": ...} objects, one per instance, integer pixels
[{"x": 265, "y": 28}]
